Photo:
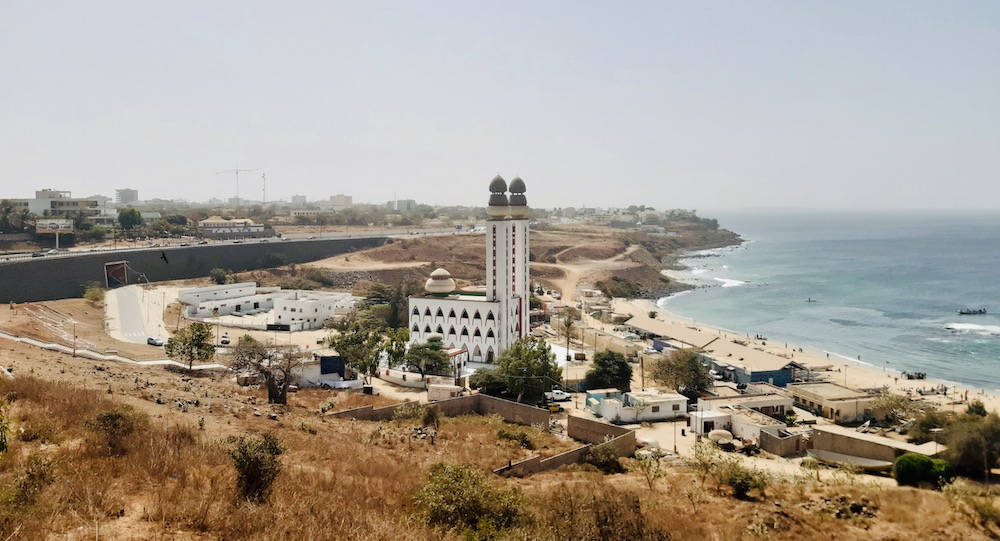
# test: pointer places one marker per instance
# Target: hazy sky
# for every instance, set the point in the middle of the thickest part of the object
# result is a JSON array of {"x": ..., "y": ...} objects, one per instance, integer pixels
[{"x": 690, "y": 105}]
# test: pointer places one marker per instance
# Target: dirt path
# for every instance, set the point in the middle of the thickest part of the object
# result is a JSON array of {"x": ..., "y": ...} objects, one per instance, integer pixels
[
  {"x": 575, "y": 272},
  {"x": 360, "y": 262}
]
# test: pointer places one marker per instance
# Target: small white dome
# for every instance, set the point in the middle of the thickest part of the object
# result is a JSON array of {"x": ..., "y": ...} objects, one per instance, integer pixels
[{"x": 440, "y": 282}]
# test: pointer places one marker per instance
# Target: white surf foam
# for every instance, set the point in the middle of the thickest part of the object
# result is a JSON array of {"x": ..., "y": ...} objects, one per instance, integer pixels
[
  {"x": 726, "y": 282},
  {"x": 984, "y": 330}
]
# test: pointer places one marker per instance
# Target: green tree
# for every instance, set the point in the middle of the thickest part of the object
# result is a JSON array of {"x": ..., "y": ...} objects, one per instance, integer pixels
[
  {"x": 360, "y": 344},
  {"x": 974, "y": 444},
  {"x": 461, "y": 496},
  {"x": 190, "y": 344},
  {"x": 527, "y": 368},
  {"x": 610, "y": 369},
  {"x": 395, "y": 345},
  {"x": 129, "y": 218},
  {"x": 428, "y": 358},
  {"x": 273, "y": 259},
  {"x": 219, "y": 276},
  {"x": 912, "y": 469},
  {"x": 389, "y": 303},
  {"x": 683, "y": 371},
  {"x": 6, "y": 216},
  {"x": 894, "y": 406},
  {"x": 271, "y": 362}
]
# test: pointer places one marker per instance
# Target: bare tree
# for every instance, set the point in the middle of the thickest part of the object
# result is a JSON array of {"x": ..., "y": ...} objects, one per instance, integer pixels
[{"x": 271, "y": 362}]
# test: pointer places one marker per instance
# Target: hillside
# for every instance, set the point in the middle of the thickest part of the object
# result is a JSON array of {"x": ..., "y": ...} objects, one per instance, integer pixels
[
  {"x": 163, "y": 471},
  {"x": 561, "y": 258}
]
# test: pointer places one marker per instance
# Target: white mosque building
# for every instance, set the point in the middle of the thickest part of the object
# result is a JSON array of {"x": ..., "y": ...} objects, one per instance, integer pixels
[{"x": 483, "y": 320}]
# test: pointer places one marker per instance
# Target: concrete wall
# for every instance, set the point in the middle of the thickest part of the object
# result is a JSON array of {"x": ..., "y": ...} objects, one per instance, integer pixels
[
  {"x": 781, "y": 446},
  {"x": 846, "y": 445},
  {"x": 61, "y": 277},
  {"x": 369, "y": 413},
  {"x": 513, "y": 412},
  {"x": 592, "y": 431},
  {"x": 480, "y": 404}
]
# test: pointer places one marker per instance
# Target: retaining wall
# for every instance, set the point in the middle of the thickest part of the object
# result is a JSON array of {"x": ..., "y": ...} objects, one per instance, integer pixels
[
  {"x": 371, "y": 413},
  {"x": 838, "y": 443},
  {"x": 64, "y": 276}
]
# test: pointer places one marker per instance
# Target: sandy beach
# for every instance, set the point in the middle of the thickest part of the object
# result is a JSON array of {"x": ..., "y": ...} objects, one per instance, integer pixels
[{"x": 839, "y": 369}]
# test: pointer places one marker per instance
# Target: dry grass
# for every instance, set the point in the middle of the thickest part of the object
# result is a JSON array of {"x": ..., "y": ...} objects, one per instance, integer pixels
[{"x": 355, "y": 480}]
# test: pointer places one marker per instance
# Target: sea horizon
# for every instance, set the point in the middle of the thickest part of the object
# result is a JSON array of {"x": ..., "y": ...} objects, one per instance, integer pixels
[{"x": 878, "y": 287}]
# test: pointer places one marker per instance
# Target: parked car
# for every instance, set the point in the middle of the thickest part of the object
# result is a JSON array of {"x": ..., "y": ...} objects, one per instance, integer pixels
[
  {"x": 154, "y": 341},
  {"x": 37, "y": 254},
  {"x": 224, "y": 340},
  {"x": 557, "y": 395}
]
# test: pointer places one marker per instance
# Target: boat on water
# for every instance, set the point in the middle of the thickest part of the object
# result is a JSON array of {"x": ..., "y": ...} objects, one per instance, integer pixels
[
  {"x": 972, "y": 311},
  {"x": 836, "y": 459}
]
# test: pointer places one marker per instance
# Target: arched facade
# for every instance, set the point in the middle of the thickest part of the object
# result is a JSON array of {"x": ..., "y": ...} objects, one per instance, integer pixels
[{"x": 484, "y": 322}]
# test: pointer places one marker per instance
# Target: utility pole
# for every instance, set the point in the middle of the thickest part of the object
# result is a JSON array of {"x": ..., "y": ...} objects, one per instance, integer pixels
[{"x": 236, "y": 171}]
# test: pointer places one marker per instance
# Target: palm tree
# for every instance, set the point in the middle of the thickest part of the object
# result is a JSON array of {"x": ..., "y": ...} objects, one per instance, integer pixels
[
  {"x": 25, "y": 219},
  {"x": 6, "y": 214}
]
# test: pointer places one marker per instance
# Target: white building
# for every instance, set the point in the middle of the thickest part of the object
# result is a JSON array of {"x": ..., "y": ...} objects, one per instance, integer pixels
[
  {"x": 639, "y": 407},
  {"x": 300, "y": 310},
  {"x": 310, "y": 309},
  {"x": 216, "y": 225},
  {"x": 484, "y": 321},
  {"x": 56, "y": 203}
]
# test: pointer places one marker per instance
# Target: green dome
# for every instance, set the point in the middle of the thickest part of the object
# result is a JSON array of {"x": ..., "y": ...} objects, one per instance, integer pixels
[
  {"x": 498, "y": 185},
  {"x": 517, "y": 185}
]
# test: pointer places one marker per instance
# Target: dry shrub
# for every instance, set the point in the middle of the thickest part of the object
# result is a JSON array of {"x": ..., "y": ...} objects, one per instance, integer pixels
[
  {"x": 257, "y": 465},
  {"x": 593, "y": 512},
  {"x": 116, "y": 426},
  {"x": 62, "y": 406}
]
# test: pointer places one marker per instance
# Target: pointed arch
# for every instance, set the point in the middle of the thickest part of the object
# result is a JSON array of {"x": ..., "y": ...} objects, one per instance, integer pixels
[
  {"x": 489, "y": 316},
  {"x": 490, "y": 356},
  {"x": 465, "y": 332},
  {"x": 477, "y": 316},
  {"x": 416, "y": 328},
  {"x": 451, "y": 331},
  {"x": 489, "y": 334},
  {"x": 439, "y": 330},
  {"x": 416, "y": 311},
  {"x": 439, "y": 313},
  {"x": 477, "y": 353},
  {"x": 477, "y": 334},
  {"x": 427, "y": 311},
  {"x": 451, "y": 313},
  {"x": 465, "y": 314},
  {"x": 427, "y": 328}
]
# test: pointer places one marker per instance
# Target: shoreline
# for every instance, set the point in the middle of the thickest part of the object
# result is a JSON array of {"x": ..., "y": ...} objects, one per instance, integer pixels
[{"x": 844, "y": 370}]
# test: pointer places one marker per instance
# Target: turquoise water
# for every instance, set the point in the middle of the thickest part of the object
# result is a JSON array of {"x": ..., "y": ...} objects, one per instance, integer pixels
[{"x": 887, "y": 288}]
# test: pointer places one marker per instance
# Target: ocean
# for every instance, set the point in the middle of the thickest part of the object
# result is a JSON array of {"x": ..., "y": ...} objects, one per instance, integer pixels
[{"x": 885, "y": 288}]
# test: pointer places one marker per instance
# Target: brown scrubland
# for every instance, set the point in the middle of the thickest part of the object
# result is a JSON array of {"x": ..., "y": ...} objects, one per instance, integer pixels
[{"x": 98, "y": 450}]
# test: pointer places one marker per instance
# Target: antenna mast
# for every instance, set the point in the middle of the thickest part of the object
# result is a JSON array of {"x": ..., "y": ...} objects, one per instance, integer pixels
[{"x": 237, "y": 171}]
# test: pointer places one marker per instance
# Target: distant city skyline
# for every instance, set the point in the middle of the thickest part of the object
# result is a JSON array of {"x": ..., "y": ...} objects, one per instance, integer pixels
[{"x": 889, "y": 105}]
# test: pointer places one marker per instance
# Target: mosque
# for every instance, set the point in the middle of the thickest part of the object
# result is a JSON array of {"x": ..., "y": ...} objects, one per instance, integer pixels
[{"x": 483, "y": 320}]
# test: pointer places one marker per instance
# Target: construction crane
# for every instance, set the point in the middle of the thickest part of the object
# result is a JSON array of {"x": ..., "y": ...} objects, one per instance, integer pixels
[{"x": 237, "y": 171}]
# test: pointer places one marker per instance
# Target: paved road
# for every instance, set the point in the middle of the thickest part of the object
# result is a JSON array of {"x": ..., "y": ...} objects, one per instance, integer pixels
[{"x": 130, "y": 315}]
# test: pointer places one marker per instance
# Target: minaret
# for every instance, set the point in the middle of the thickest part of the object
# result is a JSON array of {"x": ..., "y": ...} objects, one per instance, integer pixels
[
  {"x": 519, "y": 256},
  {"x": 499, "y": 275}
]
